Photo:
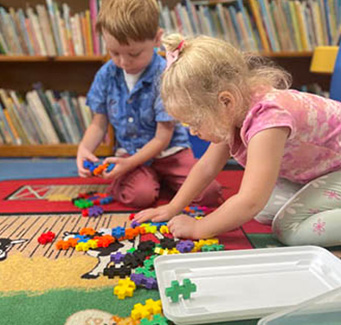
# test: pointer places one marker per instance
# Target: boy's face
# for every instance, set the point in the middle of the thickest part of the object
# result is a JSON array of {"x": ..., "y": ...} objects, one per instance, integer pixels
[{"x": 134, "y": 57}]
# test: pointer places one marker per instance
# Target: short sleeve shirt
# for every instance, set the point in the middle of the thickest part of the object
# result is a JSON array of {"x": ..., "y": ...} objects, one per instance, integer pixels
[
  {"x": 134, "y": 115},
  {"x": 314, "y": 144}
]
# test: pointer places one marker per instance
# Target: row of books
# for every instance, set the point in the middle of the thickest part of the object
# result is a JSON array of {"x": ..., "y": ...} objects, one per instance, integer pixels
[
  {"x": 259, "y": 25},
  {"x": 42, "y": 117},
  {"x": 50, "y": 30},
  {"x": 252, "y": 25}
]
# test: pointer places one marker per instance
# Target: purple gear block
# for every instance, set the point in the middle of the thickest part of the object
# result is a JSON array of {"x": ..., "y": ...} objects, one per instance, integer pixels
[
  {"x": 134, "y": 224},
  {"x": 150, "y": 283},
  {"x": 185, "y": 246},
  {"x": 117, "y": 257},
  {"x": 95, "y": 211},
  {"x": 138, "y": 279}
]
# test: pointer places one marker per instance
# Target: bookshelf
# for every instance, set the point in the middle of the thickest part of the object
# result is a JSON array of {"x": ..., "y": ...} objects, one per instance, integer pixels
[{"x": 75, "y": 73}]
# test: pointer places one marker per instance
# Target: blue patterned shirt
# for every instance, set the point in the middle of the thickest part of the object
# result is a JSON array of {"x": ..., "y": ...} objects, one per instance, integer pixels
[{"x": 134, "y": 115}]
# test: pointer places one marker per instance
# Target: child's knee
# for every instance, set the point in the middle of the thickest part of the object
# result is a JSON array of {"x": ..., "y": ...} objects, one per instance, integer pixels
[
  {"x": 141, "y": 196},
  {"x": 211, "y": 196},
  {"x": 264, "y": 217}
]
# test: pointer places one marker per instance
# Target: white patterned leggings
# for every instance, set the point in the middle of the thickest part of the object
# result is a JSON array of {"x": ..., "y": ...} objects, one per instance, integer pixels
[{"x": 306, "y": 214}]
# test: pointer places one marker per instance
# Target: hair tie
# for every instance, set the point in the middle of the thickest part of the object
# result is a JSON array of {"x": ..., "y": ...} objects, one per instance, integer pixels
[{"x": 172, "y": 56}]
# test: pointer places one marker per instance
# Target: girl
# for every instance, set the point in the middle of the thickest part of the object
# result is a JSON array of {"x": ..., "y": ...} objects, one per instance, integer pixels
[{"x": 289, "y": 143}]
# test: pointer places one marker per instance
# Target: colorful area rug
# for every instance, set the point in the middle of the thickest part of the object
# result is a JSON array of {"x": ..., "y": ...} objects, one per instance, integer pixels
[{"x": 42, "y": 285}]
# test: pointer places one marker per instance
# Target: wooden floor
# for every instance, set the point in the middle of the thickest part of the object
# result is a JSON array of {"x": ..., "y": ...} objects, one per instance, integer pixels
[{"x": 30, "y": 227}]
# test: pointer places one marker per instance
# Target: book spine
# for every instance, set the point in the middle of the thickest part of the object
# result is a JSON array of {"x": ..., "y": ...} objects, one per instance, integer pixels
[
  {"x": 93, "y": 19},
  {"x": 259, "y": 24}
]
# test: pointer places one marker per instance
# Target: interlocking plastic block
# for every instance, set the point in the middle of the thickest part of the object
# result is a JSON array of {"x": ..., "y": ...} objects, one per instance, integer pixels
[
  {"x": 82, "y": 238},
  {"x": 113, "y": 271},
  {"x": 63, "y": 245},
  {"x": 185, "y": 246},
  {"x": 146, "y": 246},
  {"x": 118, "y": 232},
  {"x": 47, "y": 237},
  {"x": 184, "y": 290},
  {"x": 95, "y": 211},
  {"x": 87, "y": 231},
  {"x": 156, "y": 320},
  {"x": 168, "y": 243},
  {"x": 83, "y": 203},
  {"x": 134, "y": 224},
  {"x": 151, "y": 308},
  {"x": 211, "y": 248},
  {"x": 110, "y": 168},
  {"x": 125, "y": 288},
  {"x": 164, "y": 230},
  {"x": 106, "y": 200},
  {"x": 117, "y": 257}
]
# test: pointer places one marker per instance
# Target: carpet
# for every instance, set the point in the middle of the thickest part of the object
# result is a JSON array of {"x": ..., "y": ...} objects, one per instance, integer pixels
[{"x": 43, "y": 285}]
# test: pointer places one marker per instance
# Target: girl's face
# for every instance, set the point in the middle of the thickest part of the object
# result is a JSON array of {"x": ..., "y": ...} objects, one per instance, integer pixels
[{"x": 213, "y": 129}]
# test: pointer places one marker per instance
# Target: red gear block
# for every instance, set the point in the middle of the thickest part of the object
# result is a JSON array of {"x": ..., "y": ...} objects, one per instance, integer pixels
[{"x": 46, "y": 238}]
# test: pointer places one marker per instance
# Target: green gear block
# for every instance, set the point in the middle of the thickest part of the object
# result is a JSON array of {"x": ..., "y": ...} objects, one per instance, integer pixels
[
  {"x": 144, "y": 271},
  {"x": 214, "y": 247},
  {"x": 175, "y": 290},
  {"x": 157, "y": 320},
  {"x": 83, "y": 203},
  {"x": 131, "y": 250},
  {"x": 148, "y": 264}
]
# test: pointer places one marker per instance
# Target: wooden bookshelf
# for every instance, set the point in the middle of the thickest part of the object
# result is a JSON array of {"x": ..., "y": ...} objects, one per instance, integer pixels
[{"x": 75, "y": 73}]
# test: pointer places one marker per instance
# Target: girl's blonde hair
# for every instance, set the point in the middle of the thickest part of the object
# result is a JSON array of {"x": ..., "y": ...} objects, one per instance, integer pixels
[
  {"x": 207, "y": 66},
  {"x": 136, "y": 20}
]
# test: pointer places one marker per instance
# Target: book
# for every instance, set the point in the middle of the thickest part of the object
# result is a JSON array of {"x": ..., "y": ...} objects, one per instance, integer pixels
[
  {"x": 36, "y": 29},
  {"x": 8, "y": 136},
  {"x": 25, "y": 117},
  {"x": 48, "y": 108},
  {"x": 16, "y": 24},
  {"x": 58, "y": 116},
  {"x": 8, "y": 32},
  {"x": 93, "y": 18},
  {"x": 247, "y": 25},
  {"x": 46, "y": 30},
  {"x": 62, "y": 31},
  {"x": 67, "y": 25},
  {"x": 258, "y": 19},
  {"x": 43, "y": 118},
  {"x": 88, "y": 31},
  {"x": 23, "y": 31},
  {"x": 296, "y": 35},
  {"x": 54, "y": 25}
]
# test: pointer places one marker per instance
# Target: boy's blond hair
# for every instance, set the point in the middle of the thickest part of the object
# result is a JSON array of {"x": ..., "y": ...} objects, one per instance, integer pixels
[
  {"x": 207, "y": 66},
  {"x": 135, "y": 20}
]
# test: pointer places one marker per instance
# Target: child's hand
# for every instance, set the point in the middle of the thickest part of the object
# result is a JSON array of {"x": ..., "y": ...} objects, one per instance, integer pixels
[
  {"x": 183, "y": 226},
  {"x": 122, "y": 166},
  {"x": 159, "y": 214},
  {"x": 82, "y": 155}
]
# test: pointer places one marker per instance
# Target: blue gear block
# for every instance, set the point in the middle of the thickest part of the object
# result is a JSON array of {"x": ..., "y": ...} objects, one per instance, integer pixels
[
  {"x": 118, "y": 232},
  {"x": 106, "y": 200},
  {"x": 82, "y": 238},
  {"x": 110, "y": 168}
]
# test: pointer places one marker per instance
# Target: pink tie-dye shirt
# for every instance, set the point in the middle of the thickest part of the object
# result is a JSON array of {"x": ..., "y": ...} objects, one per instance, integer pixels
[{"x": 313, "y": 147}]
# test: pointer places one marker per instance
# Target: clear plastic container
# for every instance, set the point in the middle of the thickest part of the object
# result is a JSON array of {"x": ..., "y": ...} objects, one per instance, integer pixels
[
  {"x": 323, "y": 309},
  {"x": 246, "y": 284}
]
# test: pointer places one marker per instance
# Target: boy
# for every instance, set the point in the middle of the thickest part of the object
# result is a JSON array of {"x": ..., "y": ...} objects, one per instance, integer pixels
[{"x": 150, "y": 146}]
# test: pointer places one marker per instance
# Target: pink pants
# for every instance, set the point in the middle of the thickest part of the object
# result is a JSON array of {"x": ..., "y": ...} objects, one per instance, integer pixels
[{"x": 140, "y": 188}]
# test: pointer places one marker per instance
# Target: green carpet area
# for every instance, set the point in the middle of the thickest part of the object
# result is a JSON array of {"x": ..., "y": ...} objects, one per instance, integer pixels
[{"x": 21, "y": 309}]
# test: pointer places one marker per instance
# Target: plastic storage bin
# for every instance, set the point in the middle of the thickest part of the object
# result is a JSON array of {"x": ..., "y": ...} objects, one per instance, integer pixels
[
  {"x": 324, "y": 309},
  {"x": 246, "y": 284}
]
